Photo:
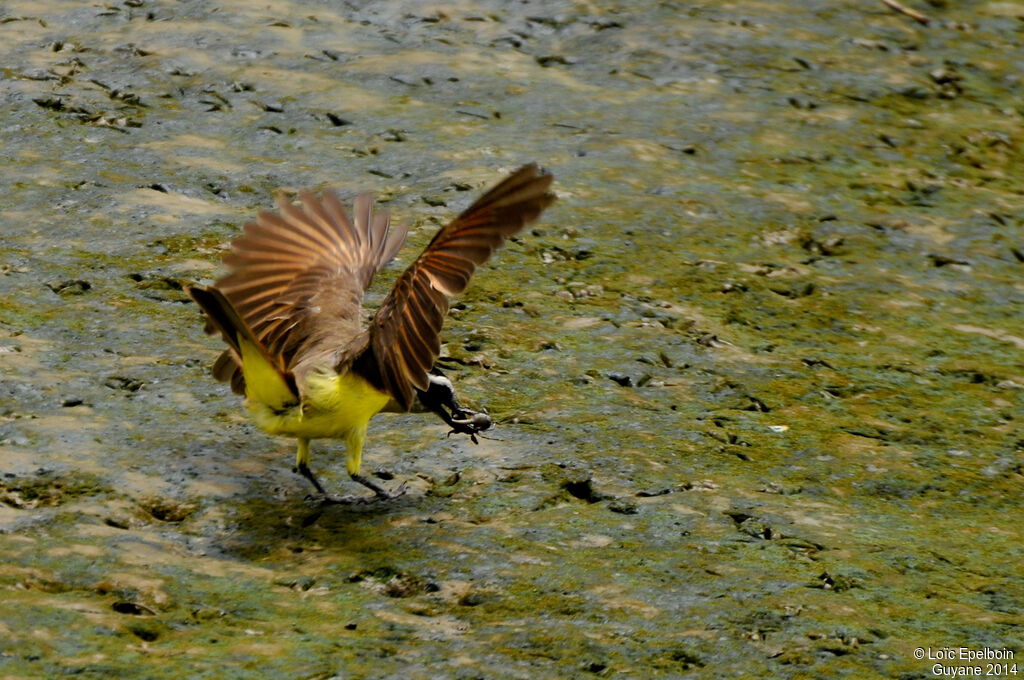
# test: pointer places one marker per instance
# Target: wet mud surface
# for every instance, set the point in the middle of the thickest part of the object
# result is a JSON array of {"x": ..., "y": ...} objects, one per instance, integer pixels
[{"x": 756, "y": 376}]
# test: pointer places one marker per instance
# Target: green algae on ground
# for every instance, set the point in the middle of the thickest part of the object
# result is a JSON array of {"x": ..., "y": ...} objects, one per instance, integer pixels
[{"x": 756, "y": 376}]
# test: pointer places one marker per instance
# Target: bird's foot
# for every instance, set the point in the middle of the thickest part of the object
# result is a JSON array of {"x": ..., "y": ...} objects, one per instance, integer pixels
[
  {"x": 324, "y": 498},
  {"x": 380, "y": 493}
]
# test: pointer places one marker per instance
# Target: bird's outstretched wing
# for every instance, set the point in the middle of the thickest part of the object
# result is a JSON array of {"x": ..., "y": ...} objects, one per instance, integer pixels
[
  {"x": 297, "y": 277},
  {"x": 405, "y": 333}
]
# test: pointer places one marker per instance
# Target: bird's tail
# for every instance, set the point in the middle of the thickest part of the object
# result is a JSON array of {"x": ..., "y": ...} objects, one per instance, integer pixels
[{"x": 266, "y": 380}]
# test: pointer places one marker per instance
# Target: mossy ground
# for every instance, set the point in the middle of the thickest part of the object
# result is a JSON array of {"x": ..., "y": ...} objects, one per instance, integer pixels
[{"x": 756, "y": 376}]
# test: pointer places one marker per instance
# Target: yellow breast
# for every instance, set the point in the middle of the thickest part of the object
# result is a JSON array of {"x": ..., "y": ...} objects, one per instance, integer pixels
[{"x": 332, "y": 406}]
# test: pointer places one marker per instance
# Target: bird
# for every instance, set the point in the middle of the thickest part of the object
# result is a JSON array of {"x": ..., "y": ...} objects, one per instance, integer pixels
[{"x": 290, "y": 311}]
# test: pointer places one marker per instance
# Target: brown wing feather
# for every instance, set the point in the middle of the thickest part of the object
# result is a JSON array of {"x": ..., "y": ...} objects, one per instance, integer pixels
[
  {"x": 405, "y": 333},
  {"x": 222, "y": 317},
  {"x": 297, "y": 277}
]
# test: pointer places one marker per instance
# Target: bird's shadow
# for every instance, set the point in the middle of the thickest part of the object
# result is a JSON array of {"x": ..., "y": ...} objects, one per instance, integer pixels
[{"x": 268, "y": 518}]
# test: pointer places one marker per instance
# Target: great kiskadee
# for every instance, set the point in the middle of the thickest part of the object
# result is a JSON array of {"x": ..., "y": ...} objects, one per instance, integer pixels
[{"x": 289, "y": 311}]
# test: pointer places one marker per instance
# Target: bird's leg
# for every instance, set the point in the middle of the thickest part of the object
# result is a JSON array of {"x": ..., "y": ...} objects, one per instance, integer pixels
[
  {"x": 302, "y": 464},
  {"x": 439, "y": 395},
  {"x": 381, "y": 493},
  {"x": 302, "y": 467},
  {"x": 304, "y": 470},
  {"x": 354, "y": 442}
]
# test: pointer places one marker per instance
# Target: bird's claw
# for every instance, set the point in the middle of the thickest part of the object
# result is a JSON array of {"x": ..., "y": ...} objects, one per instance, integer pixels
[
  {"x": 320, "y": 500},
  {"x": 379, "y": 492},
  {"x": 402, "y": 489}
]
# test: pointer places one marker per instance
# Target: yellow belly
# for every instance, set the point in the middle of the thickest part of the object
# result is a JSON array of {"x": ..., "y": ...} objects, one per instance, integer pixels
[{"x": 333, "y": 406}]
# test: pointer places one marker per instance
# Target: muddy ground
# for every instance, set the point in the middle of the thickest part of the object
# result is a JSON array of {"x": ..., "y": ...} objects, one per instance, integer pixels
[{"x": 757, "y": 376}]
